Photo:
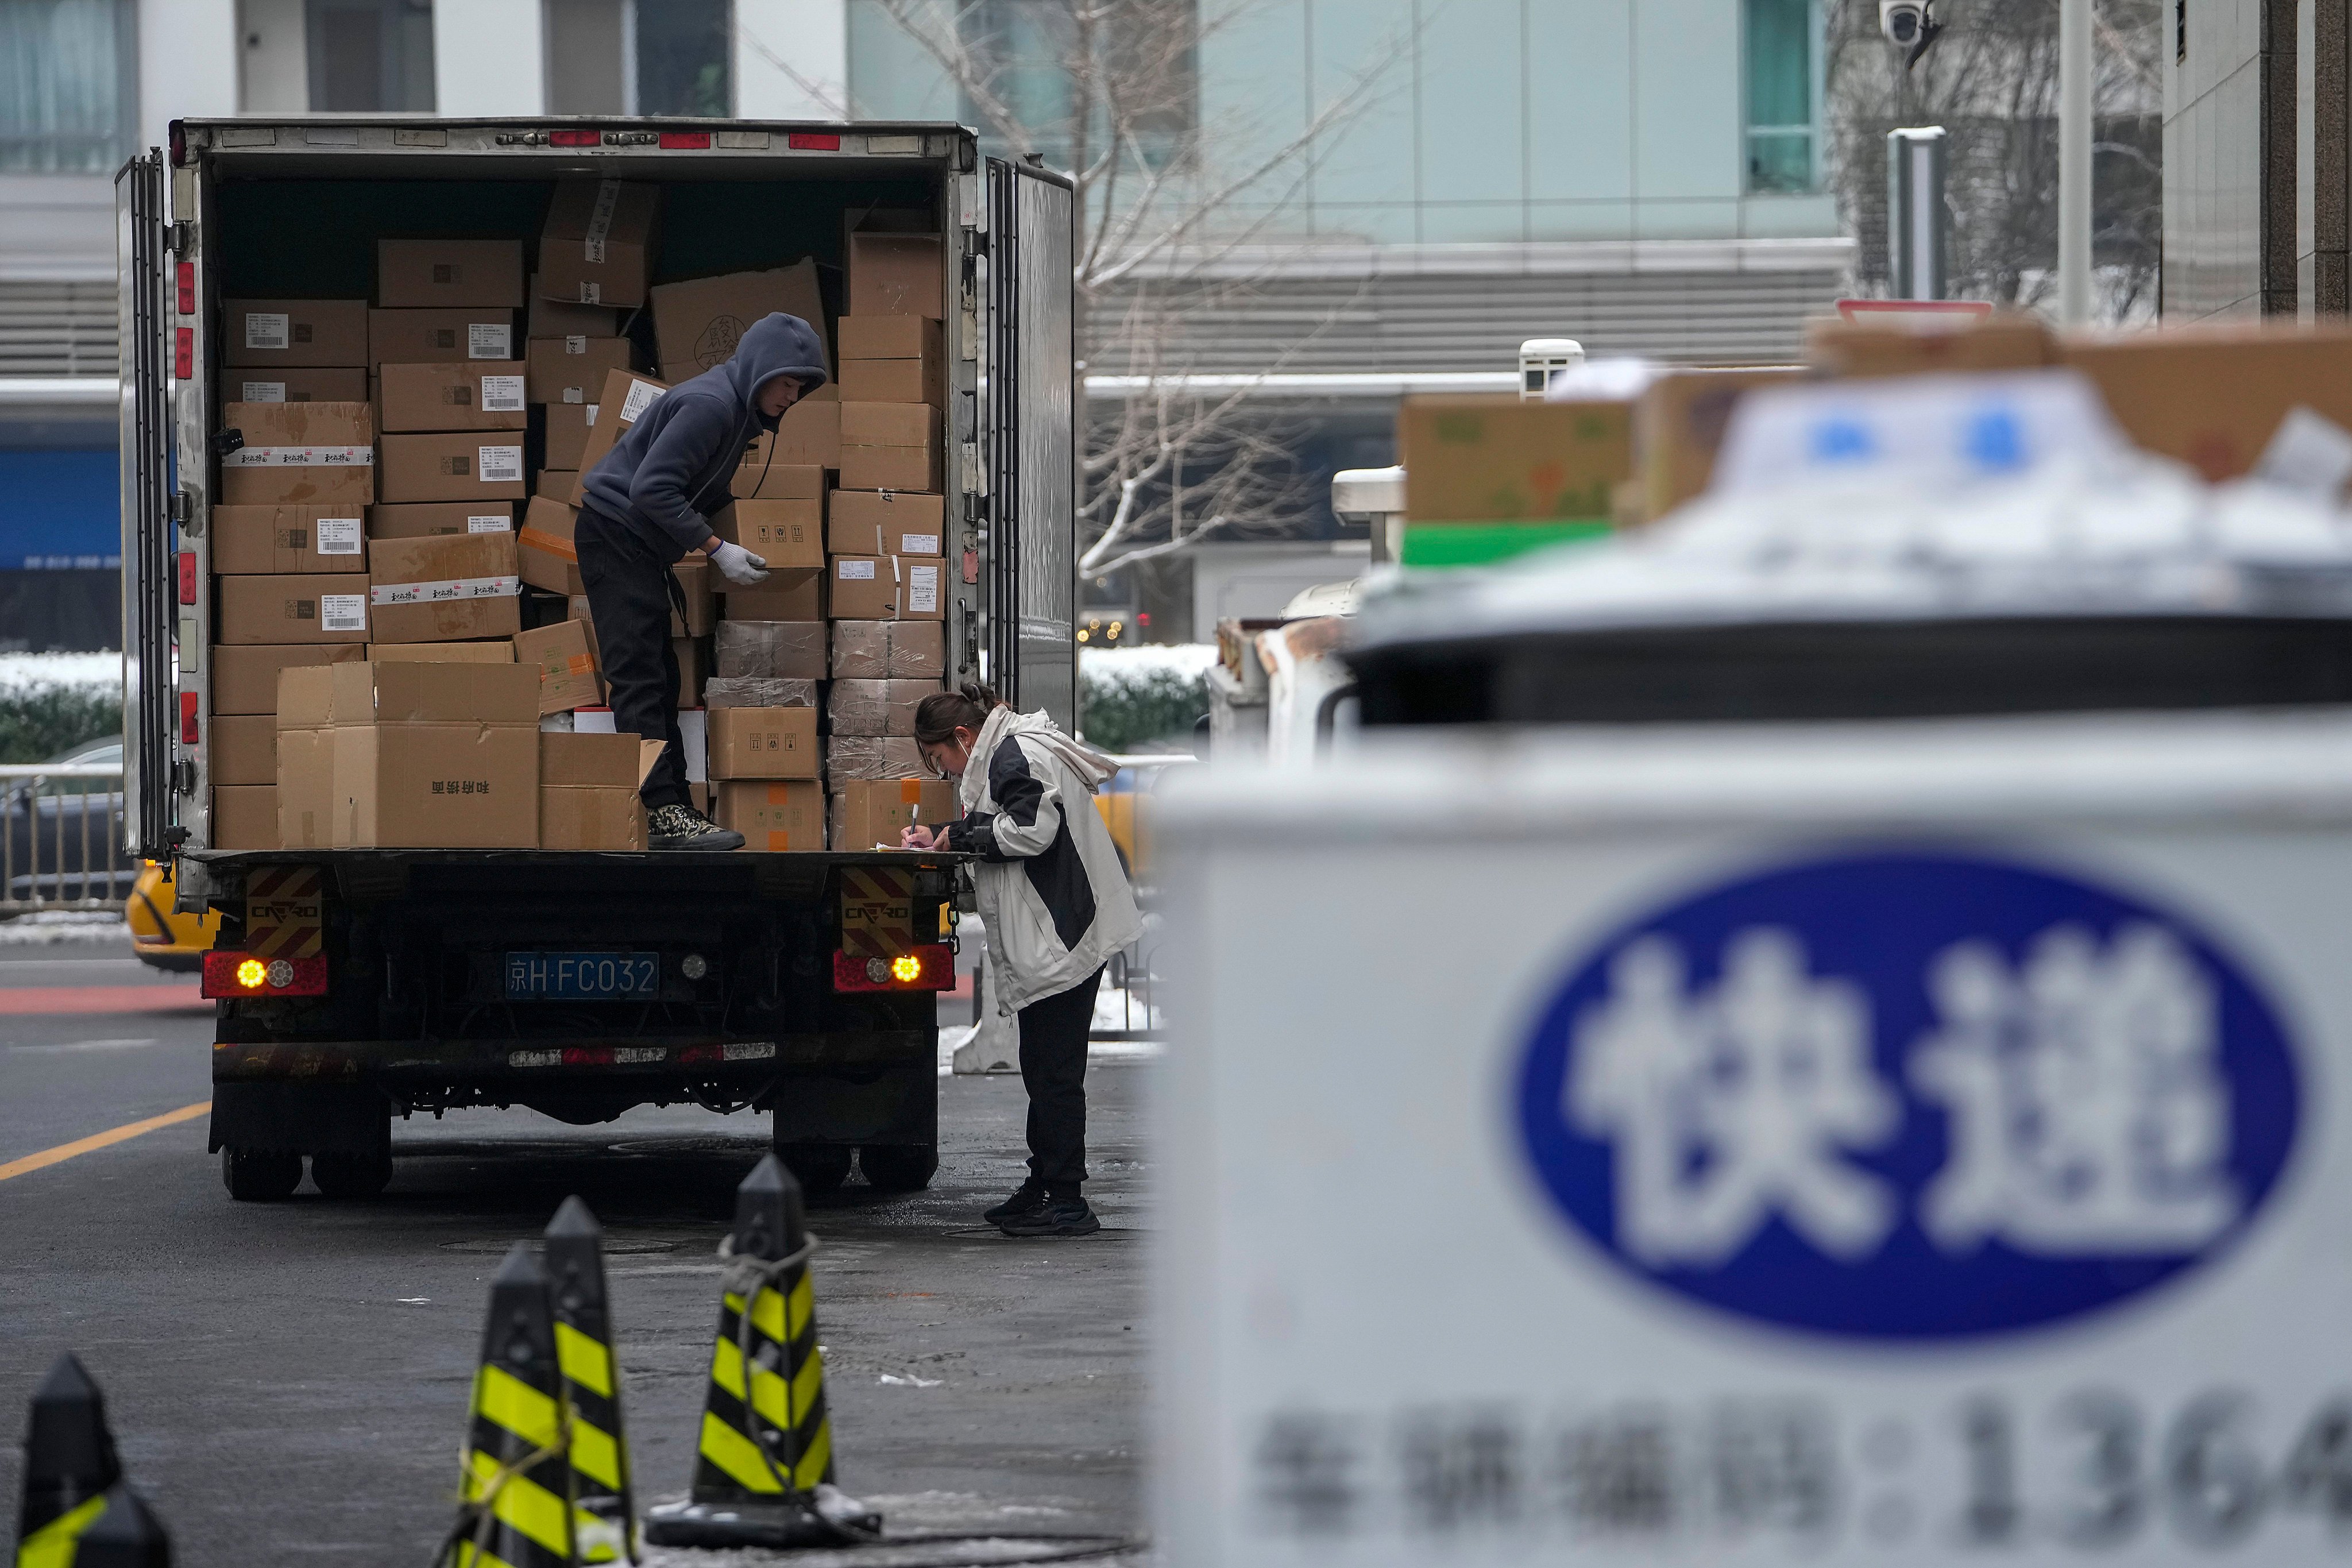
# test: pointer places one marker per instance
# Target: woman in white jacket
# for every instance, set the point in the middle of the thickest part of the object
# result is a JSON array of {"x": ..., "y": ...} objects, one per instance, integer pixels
[{"x": 1056, "y": 906}]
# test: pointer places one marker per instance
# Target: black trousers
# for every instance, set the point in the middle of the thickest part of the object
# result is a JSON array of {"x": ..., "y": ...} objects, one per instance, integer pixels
[
  {"x": 629, "y": 588},
  {"x": 1053, "y": 1032}
]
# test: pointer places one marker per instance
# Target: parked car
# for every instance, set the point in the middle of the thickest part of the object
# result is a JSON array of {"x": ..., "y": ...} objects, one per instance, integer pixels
[
  {"x": 161, "y": 936},
  {"x": 63, "y": 837}
]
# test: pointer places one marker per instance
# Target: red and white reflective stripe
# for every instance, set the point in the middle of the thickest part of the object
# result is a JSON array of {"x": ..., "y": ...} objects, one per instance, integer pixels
[{"x": 444, "y": 591}]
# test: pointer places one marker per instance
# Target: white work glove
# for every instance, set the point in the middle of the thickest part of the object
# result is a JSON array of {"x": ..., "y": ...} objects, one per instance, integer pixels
[{"x": 739, "y": 565}]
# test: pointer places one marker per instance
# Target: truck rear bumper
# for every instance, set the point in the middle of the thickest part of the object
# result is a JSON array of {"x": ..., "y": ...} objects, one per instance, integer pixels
[{"x": 652, "y": 1060}]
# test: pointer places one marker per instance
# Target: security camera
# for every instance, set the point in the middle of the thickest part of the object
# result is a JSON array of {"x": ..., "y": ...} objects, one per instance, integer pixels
[{"x": 1909, "y": 26}]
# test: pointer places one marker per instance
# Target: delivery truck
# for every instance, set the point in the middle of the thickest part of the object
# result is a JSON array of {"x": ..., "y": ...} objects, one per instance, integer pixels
[{"x": 371, "y": 965}]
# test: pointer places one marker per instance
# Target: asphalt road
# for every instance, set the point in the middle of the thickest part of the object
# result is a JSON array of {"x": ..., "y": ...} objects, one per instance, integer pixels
[{"x": 288, "y": 1382}]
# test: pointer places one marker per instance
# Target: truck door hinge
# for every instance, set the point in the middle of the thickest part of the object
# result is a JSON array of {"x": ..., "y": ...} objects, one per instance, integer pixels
[
  {"x": 181, "y": 237},
  {"x": 183, "y": 507},
  {"x": 184, "y": 781}
]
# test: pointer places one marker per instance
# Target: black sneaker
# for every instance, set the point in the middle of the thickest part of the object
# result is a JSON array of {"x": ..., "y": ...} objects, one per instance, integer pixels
[
  {"x": 683, "y": 827},
  {"x": 1027, "y": 1198},
  {"x": 1055, "y": 1217}
]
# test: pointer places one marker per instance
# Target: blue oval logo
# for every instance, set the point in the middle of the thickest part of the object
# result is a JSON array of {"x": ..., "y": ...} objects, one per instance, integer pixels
[{"x": 1908, "y": 1096}]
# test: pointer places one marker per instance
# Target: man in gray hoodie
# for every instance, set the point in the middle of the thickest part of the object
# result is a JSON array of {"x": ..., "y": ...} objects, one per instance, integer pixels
[{"x": 648, "y": 503}]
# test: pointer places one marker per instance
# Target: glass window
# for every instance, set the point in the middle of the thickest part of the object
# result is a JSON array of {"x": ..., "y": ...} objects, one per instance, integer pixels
[
  {"x": 1784, "y": 95},
  {"x": 1141, "y": 73},
  {"x": 685, "y": 57},
  {"x": 69, "y": 85},
  {"x": 370, "y": 56},
  {"x": 587, "y": 60}
]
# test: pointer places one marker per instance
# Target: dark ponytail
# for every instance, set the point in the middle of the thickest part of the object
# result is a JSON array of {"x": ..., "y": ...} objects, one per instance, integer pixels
[{"x": 938, "y": 716}]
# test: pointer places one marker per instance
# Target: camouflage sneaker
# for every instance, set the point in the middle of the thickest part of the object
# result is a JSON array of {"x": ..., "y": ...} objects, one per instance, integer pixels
[{"x": 683, "y": 827}]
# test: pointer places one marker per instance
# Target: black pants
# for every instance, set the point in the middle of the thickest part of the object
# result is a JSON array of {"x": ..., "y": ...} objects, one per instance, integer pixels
[
  {"x": 1053, "y": 1032},
  {"x": 629, "y": 590}
]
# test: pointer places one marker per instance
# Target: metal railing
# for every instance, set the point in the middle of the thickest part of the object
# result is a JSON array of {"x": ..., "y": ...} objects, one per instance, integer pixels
[{"x": 62, "y": 838}]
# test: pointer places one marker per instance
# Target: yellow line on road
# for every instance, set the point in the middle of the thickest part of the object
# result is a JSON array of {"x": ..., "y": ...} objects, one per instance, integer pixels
[{"x": 124, "y": 1133}]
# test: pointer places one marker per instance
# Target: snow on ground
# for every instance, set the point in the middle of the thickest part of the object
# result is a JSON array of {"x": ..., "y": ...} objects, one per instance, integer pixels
[
  {"x": 1123, "y": 664},
  {"x": 39, "y": 671}
]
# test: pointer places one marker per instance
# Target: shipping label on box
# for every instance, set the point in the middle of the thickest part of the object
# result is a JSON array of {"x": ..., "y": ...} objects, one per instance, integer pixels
[
  {"x": 1493, "y": 459},
  {"x": 253, "y": 540},
  {"x": 444, "y": 588},
  {"x": 425, "y": 519},
  {"x": 781, "y": 532},
  {"x": 439, "y": 336},
  {"x": 474, "y": 394},
  {"x": 873, "y": 812},
  {"x": 436, "y": 787},
  {"x": 323, "y": 383},
  {"x": 885, "y": 588},
  {"x": 773, "y": 817},
  {"x": 870, "y": 522},
  {"x": 460, "y": 467},
  {"x": 697, "y": 323},
  {"x": 762, "y": 743},
  {"x": 294, "y": 331},
  {"x": 244, "y": 680},
  {"x": 897, "y": 275},
  {"x": 763, "y": 476},
  {"x": 597, "y": 248},
  {"x": 449, "y": 272},
  {"x": 567, "y": 668},
  {"x": 308, "y": 607},
  {"x": 298, "y": 454},
  {"x": 626, "y": 394},
  {"x": 574, "y": 369}
]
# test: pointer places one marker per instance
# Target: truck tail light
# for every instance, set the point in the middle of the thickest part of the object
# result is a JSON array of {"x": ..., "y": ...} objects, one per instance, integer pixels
[
  {"x": 186, "y": 286},
  {"x": 187, "y": 576},
  {"x": 928, "y": 968},
  {"x": 187, "y": 718},
  {"x": 230, "y": 976},
  {"x": 686, "y": 140},
  {"x": 573, "y": 139},
  {"x": 183, "y": 354},
  {"x": 812, "y": 142}
]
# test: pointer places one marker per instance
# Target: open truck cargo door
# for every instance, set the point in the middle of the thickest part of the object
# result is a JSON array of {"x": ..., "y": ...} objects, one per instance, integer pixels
[
  {"x": 1032, "y": 410},
  {"x": 142, "y": 260}
]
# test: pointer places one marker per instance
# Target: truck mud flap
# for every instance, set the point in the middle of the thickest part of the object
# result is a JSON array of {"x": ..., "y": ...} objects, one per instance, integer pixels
[
  {"x": 897, "y": 1105},
  {"x": 298, "y": 1118}
]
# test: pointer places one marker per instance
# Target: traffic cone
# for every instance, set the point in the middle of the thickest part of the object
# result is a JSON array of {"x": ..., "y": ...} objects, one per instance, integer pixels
[
  {"x": 69, "y": 1462},
  {"x": 763, "y": 1470},
  {"x": 126, "y": 1535},
  {"x": 605, "y": 1523},
  {"x": 516, "y": 1485}
]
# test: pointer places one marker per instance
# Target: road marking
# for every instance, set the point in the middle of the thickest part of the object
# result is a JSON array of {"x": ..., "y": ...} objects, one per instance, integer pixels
[
  {"x": 23, "y": 1000},
  {"x": 60, "y": 1048},
  {"x": 96, "y": 1141}
]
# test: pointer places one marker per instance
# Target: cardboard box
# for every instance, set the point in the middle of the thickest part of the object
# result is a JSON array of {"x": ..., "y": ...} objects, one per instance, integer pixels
[
  {"x": 303, "y": 607},
  {"x": 424, "y": 691},
  {"x": 1480, "y": 457},
  {"x": 695, "y": 577},
  {"x": 697, "y": 323},
  {"x": 772, "y": 817},
  {"x": 449, "y": 272},
  {"x": 889, "y": 425},
  {"x": 567, "y": 427},
  {"x": 460, "y": 467},
  {"x": 876, "y": 707},
  {"x": 573, "y": 369},
  {"x": 1890, "y": 343},
  {"x": 875, "y": 523},
  {"x": 425, "y": 519},
  {"x": 244, "y": 680},
  {"x": 244, "y": 749},
  {"x": 556, "y": 484},
  {"x": 760, "y": 476},
  {"x": 439, "y": 337},
  {"x": 551, "y": 318},
  {"x": 792, "y": 593},
  {"x": 893, "y": 358},
  {"x": 476, "y": 395},
  {"x": 762, "y": 743},
  {"x": 244, "y": 817},
  {"x": 435, "y": 787},
  {"x": 810, "y": 432},
  {"x": 783, "y": 532},
  {"x": 626, "y": 394},
  {"x": 890, "y": 467},
  {"x": 793, "y": 650},
  {"x": 253, "y": 540},
  {"x": 889, "y": 650},
  {"x": 567, "y": 669},
  {"x": 322, "y": 383},
  {"x": 588, "y": 790},
  {"x": 447, "y": 588},
  {"x": 1678, "y": 425},
  {"x": 442, "y": 652},
  {"x": 549, "y": 559},
  {"x": 693, "y": 671},
  {"x": 848, "y": 757},
  {"x": 598, "y": 244},
  {"x": 886, "y": 588},
  {"x": 279, "y": 333},
  {"x": 306, "y": 789},
  {"x": 298, "y": 453},
  {"x": 2213, "y": 397},
  {"x": 867, "y": 811},
  {"x": 897, "y": 275},
  {"x": 758, "y": 691}
]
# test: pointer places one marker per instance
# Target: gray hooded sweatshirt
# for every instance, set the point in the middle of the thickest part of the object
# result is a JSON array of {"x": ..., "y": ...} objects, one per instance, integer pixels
[{"x": 670, "y": 470}]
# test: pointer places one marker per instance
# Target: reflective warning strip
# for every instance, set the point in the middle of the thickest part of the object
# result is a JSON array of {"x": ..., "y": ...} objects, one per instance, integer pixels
[
  {"x": 52, "y": 1545},
  {"x": 472, "y": 1556},
  {"x": 768, "y": 1392},
  {"x": 444, "y": 591},
  {"x": 768, "y": 1313},
  {"x": 521, "y": 1503},
  {"x": 598, "y": 1539},
  {"x": 585, "y": 1361},
  {"x": 301, "y": 458},
  {"x": 874, "y": 885},
  {"x": 594, "y": 1453},
  {"x": 815, "y": 1458},
  {"x": 736, "y": 1456},
  {"x": 506, "y": 1399}
]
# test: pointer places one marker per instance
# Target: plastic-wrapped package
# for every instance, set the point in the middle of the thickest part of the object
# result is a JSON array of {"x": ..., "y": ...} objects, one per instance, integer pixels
[
  {"x": 873, "y": 757},
  {"x": 877, "y": 707},
  {"x": 889, "y": 650},
  {"x": 793, "y": 650},
  {"x": 758, "y": 691}
]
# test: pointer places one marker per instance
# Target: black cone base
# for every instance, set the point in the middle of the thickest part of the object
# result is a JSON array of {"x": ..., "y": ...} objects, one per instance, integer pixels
[{"x": 825, "y": 1518}]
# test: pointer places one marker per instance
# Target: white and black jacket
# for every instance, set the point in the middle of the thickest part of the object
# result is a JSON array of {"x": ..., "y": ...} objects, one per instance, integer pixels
[{"x": 1056, "y": 903}]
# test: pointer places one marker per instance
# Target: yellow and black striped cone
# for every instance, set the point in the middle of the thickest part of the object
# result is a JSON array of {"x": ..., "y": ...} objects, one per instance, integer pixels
[
  {"x": 764, "y": 1466},
  {"x": 69, "y": 1463},
  {"x": 517, "y": 1511},
  {"x": 126, "y": 1535},
  {"x": 604, "y": 1528}
]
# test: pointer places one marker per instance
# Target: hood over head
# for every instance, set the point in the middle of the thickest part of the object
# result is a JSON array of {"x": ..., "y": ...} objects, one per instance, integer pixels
[{"x": 776, "y": 344}]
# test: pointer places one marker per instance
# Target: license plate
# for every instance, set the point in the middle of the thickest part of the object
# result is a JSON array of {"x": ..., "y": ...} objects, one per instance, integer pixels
[{"x": 582, "y": 977}]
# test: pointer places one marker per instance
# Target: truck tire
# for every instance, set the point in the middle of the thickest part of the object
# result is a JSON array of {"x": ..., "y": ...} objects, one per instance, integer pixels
[
  {"x": 260, "y": 1175},
  {"x": 350, "y": 1175},
  {"x": 899, "y": 1167},
  {"x": 819, "y": 1168}
]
